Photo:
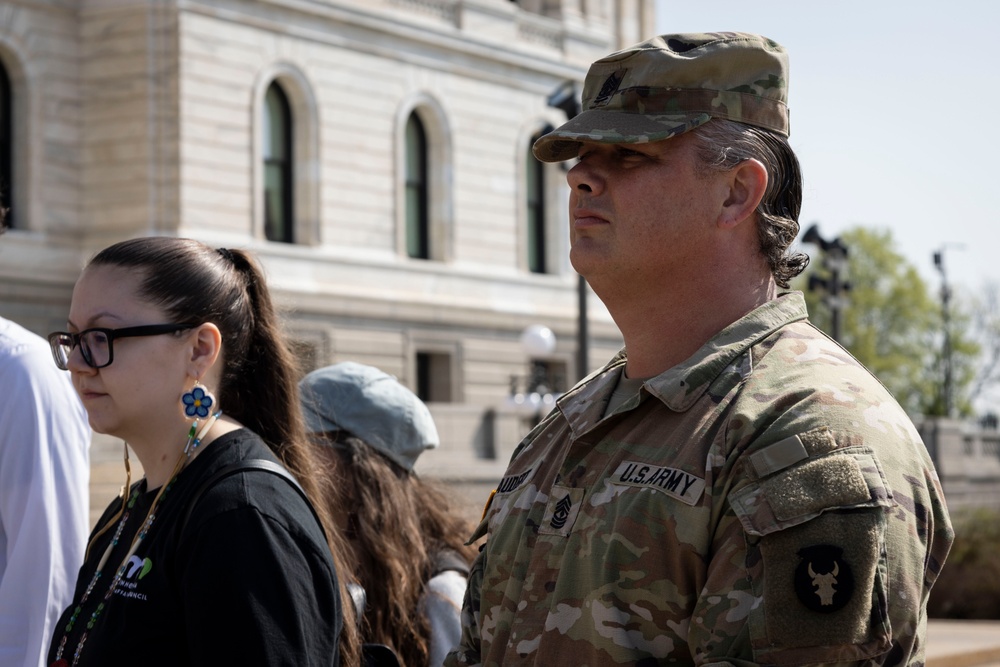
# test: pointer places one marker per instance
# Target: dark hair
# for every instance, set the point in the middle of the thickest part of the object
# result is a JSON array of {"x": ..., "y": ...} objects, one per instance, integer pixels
[
  {"x": 722, "y": 144},
  {"x": 398, "y": 525},
  {"x": 194, "y": 284}
]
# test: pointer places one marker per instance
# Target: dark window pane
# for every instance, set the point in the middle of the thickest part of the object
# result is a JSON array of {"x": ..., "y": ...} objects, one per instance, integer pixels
[
  {"x": 277, "y": 146},
  {"x": 6, "y": 149},
  {"x": 535, "y": 189},
  {"x": 417, "y": 223},
  {"x": 434, "y": 377}
]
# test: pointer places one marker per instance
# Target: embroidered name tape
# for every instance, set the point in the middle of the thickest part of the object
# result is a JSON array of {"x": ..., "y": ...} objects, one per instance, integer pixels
[
  {"x": 678, "y": 484},
  {"x": 514, "y": 482}
]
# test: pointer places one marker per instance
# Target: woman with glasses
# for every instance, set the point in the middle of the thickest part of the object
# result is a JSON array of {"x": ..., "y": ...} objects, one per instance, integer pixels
[{"x": 215, "y": 557}]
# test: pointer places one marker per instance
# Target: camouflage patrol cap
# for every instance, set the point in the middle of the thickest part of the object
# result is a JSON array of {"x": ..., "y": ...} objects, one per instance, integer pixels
[{"x": 671, "y": 84}]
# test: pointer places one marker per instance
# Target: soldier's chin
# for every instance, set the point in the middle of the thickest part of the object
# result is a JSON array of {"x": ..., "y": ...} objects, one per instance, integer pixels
[{"x": 583, "y": 258}]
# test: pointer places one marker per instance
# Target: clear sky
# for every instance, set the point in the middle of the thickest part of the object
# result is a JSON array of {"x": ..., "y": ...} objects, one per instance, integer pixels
[{"x": 891, "y": 105}]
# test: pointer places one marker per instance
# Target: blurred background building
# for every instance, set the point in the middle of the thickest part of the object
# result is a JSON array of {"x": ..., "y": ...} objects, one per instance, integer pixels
[{"x": 375, "y": 154}]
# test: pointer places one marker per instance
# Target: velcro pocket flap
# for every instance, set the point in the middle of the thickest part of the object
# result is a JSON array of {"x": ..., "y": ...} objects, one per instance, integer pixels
[{"x": 848, "y": 478}]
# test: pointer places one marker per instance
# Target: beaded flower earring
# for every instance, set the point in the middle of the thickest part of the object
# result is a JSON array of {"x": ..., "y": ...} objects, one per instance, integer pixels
[{"x": 197, "y": 403}]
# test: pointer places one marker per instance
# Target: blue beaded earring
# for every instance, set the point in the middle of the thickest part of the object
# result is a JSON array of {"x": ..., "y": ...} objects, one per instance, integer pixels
[{"x": 197, "y": 402}]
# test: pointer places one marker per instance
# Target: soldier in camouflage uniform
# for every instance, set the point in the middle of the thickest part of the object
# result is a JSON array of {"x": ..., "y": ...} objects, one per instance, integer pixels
[{"x": 733, "y": 488}]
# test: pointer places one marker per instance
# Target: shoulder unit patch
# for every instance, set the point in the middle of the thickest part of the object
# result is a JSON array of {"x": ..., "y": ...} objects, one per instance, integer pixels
[{"x": 823, "y": 579}]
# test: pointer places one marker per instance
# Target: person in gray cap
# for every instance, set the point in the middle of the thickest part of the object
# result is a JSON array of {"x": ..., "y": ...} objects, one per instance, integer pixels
[
  {"x": 732, "y": 488},
  {"x": 407, "y": 543}
]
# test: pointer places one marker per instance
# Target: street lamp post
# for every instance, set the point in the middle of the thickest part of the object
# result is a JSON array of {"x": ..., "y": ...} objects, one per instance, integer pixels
[
  {"x": 947, "y": 388},
  {"x": 835, "y": 261},
  {"x": 582, "y": 335}
]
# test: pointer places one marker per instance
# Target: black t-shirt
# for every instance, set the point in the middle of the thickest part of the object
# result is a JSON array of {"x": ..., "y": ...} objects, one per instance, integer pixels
[{"x": 249, "y": 582}]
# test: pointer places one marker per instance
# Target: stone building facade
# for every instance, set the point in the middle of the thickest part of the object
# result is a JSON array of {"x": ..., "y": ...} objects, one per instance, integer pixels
[
  {"x": 374, "y": 154},
  {"x": 967, "y": 458}
]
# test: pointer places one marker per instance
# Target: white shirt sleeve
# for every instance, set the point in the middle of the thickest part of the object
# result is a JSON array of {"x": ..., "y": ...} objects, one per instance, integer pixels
[
  {"x": 44, "y": 494},
  {"x": 442, "y": 604}
]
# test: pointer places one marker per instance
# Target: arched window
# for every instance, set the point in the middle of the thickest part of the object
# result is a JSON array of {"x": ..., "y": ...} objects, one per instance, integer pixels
[
  {"x": 278, "y": 183},
  {"x": 6, "y": 150},
  {"x": 535, "y": 195},
  {"x": 417, "y": 190}
]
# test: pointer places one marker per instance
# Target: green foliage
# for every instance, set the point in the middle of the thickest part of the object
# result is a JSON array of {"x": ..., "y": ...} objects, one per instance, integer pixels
[
  {"x": 985, "y": 306},
  {"x": 893, "y": 324},
  {"x": 969, "y": 584}
]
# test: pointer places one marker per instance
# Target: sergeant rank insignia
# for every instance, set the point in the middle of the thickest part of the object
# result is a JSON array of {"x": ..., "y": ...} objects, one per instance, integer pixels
[{"x": 609, "y": 88}]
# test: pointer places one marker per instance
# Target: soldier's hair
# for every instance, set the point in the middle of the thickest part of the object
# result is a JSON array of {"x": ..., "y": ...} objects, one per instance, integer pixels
[{"x": 722, "y": 144}]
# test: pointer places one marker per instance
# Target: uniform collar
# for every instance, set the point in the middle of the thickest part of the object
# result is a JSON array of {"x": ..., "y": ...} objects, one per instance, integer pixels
[{"x": 681, "y": 386}]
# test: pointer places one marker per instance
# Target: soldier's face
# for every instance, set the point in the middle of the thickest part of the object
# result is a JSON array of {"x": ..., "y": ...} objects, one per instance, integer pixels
[{"x": 642, "y": 211}]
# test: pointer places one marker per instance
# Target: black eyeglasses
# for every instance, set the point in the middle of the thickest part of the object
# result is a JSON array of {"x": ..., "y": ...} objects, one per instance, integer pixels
[{"x": 96, "y": 344}]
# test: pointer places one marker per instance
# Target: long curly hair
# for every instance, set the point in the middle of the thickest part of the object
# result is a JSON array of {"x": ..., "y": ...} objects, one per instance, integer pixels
[{"x": 397, "y": 523}]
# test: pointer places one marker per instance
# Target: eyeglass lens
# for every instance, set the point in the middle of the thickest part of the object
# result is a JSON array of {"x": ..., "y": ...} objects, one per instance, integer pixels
[
  {"x": 62, "y": 347},
  {"x": 96, "y": 348},
  {"x": 95, "y": 345}
]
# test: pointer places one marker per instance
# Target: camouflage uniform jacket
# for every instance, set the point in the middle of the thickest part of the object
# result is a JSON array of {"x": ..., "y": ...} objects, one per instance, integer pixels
[{"x": 765, "y": 502}]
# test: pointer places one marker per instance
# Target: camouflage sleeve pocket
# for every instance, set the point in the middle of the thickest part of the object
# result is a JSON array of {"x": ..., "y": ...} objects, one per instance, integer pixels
[
  {"x": 816, "y": 557},
  {"x": 842, "y": 479}
]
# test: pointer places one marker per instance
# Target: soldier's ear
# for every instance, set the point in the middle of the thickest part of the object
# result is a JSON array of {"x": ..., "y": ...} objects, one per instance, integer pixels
[{"x": 747, "y": 183}]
